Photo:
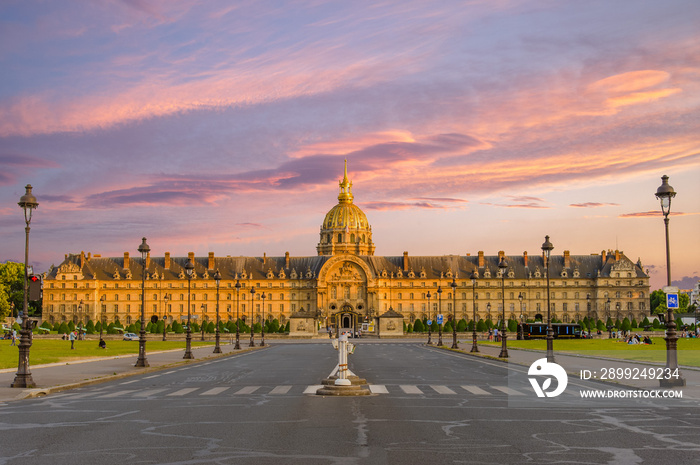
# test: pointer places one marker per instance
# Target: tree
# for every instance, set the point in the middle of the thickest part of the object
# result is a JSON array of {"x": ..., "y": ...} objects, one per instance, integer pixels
[
  {"x": 683, "y": 302},
  {"x": 90, "y": 327},
  {"x": 657, "y": 298},
  {"x": 634, "y": 323},
  {"x": 11, "y": 288},
  {"x": 645, "y": 322},
  {"x": 481, "y": 326},
  {"x": 409, "y": 328},
  {"x": 448, "y": 327},
  {"x": 512, "y": 326}
]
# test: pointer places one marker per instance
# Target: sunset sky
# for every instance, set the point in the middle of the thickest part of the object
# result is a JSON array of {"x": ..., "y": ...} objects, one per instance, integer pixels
[{"x": 222, "y": 126}]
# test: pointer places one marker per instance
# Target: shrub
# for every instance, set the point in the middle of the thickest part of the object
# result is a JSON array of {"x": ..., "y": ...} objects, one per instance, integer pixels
[
  {"x": 634, "y": 323},
  {"x": 656, "y": 324},
  {"x": 625, "y": 325},
  {"x": 409, "y": 328},
  {"x": 63, "y": 328},
  {"x": 211, "y": 327},
  {"x": 489, "y": 324},
  {"x": 447, "y": 327},
  {"x": 481, "y": 326},
  {"x": 512, "y": 326},
  {"x": 71, "y": 326},
  {"x": 418, "y": 326},
  {"x": 461, "y": 325},
  {"x": 90, "y": 327}
]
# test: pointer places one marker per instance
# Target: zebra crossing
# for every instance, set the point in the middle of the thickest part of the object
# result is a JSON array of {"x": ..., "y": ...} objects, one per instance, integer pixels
[{"x": 291, "y": 390}]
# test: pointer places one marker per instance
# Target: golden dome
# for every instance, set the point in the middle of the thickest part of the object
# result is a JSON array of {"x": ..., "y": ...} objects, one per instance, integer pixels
[
  {"x": 345, "y": 215},
  {"x": 345, "y": 228}
]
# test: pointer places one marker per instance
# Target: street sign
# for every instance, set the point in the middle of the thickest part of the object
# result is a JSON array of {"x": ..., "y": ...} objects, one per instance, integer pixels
[
  {"x": 429, "y": 322},
  {"x": 439, "y": 319},
  {"x": 672, "y": 301}
]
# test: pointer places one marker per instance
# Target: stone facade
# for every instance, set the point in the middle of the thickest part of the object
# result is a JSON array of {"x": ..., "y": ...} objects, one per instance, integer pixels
[{"x": 345, "y": 284}]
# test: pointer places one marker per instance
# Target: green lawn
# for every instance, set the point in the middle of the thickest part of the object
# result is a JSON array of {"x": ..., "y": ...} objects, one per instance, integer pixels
[
  {"x": 688, "y": 349},
  {"x": 52, "y": 350}
]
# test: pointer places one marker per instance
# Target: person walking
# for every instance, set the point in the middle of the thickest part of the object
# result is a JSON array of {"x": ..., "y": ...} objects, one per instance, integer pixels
[
  {"x": 14, "y": 338},
  {"x": 71, "y": 337}
]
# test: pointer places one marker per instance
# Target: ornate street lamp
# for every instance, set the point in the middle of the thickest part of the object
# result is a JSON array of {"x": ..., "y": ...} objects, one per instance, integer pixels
[
  {"x": 143, "y": 250},
  {"x": 520, "y": 329},
  {"x": 474, "y": 277},
  {"x": 189, "y": 271},
  {"x": 262, "y": 327},
  {"x": 454, "y": 312},
  {"x": 217, "y": 278},
  {"x": 503, "y": 266},
  {"x": 439, "y": 292},
  {"x": 665, "y": 193},
  {"x": 23, "y": 378},
  {"x": 102, "y": 313},
  {"x": 547, "y": 248},
  {"x": 588, "y": 309},
  {"x": 252, "y": 333},
  {"x": 203, "y": 326},
  {"x": 165, "y": 321},
  {"x": 238, "y": 319},
  {"x": 430, "y": 326}
]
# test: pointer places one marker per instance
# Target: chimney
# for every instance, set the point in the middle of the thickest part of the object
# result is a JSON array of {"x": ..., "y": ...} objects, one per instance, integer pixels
[
  {"x": 167, "y": 260},
  {"x": 148, "y": 260},
  {"x": 525, "y": 258},
  {"x": 190, "y": 257},
  {"x": 264, "y": 258},
  {"x": 567, "y": 259},
  {"x": 286, "y": 260},
  {"x": 212, "y": 263},
  {"x": 481, "y": 259},
  {"x": 82, "y": 260},
  {"x": 405, "y": 261},
  {"x": 617, "y": 255},
  {"x": 126, "y": 260},
  {"x": 602, "y": 253},
  {"x": 89, "y": 256},
  {"x": 501, "y": 255}
]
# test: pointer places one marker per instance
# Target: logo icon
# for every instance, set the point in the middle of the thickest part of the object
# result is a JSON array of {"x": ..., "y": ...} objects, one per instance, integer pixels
[{"x": 551, "y": 370}]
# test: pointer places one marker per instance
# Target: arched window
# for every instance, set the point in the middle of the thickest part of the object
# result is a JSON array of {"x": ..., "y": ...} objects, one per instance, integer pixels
[
  {"x": 352, "y": 238},
  {"x": 340, "y": 237}
]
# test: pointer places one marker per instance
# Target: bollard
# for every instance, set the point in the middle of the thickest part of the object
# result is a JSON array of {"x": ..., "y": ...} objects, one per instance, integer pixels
[{"x": 343, "y": 361}]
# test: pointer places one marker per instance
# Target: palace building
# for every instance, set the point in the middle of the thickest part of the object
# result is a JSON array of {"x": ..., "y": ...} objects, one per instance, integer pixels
[{"x": 345, "y": 284}]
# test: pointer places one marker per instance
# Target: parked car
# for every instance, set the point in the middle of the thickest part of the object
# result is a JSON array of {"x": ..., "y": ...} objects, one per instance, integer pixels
[{"x": 131, "y": 337}]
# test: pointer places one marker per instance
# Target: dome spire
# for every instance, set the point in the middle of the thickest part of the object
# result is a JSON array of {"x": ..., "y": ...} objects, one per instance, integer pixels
[{"x": 345, "y": 195}]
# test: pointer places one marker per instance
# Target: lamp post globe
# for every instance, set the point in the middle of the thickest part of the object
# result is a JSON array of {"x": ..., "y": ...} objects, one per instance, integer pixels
[
  {"x": 547, "y": 248},
  {"x": 474, "y": 276},
  {"x": 665, "y": 193},
  {"x": 454, "y": 313},
  {"x": 143, "y": 249},
  {"x": 217, "y": 278},
  {"x": 503, "y": 267},
  {"x": 189, "y": 271},
  {"x": 23, "y": 378}
]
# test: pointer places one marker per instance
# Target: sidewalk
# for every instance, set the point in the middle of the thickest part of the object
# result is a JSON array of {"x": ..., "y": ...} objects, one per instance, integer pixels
[
  {"x": 574, "y": 363},
  {"x": 57, "y": 377}
]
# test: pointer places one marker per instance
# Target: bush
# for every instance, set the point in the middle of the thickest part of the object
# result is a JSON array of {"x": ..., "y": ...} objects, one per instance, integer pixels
[
  {"x": 71, "y": 326},
  {"x": 625, "y": 325},
  {"x": 90, "y": 327},
  {"x": 56, "y": 326},
  {"x": 489, "y": 324},
  {"x": 448, "y": 327},
  {"x": 481, "y": 326},
  {"x": 646, "y": 322},
  {"x": 63, "y": 328},
  {"x": 461, "y": 325},
  {"x": 418, "y": 326},
  {"x": 512, "y": 326},
  {"x": 211, "y": 327},
  {"x": 177, "y": 328},
  {"x": 634, "y": 323},
  {"x": 409, "y": 328},
  {"x": 47, "y": 325},
  {"x": 656, "y": 324}
]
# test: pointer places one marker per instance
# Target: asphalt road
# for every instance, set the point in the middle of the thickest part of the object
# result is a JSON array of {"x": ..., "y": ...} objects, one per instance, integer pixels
[{"x": 429, "y": 407}]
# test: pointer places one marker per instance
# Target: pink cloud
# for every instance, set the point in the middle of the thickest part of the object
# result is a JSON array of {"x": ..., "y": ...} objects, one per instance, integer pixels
[{"x": 593, "y": 205}]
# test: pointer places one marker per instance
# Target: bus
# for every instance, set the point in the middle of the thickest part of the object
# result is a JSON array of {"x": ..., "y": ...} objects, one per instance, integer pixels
[{"x": 539, "y": 330}]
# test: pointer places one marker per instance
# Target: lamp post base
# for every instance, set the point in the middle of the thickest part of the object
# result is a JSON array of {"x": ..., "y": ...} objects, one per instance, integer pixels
[
  {"x": 188, "y": 347},
  {"x": 23, "y": 378},
  {"x": 262, "y": 339},
  {"x": 454, "y": 341},
  {"x": 504, "y": 346},
  {"x": 238, "y": 342},
  {"x": 252, "y": 340},
  {"x": 217, "y": 349},
  {"x": 141, "y": 361}
]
